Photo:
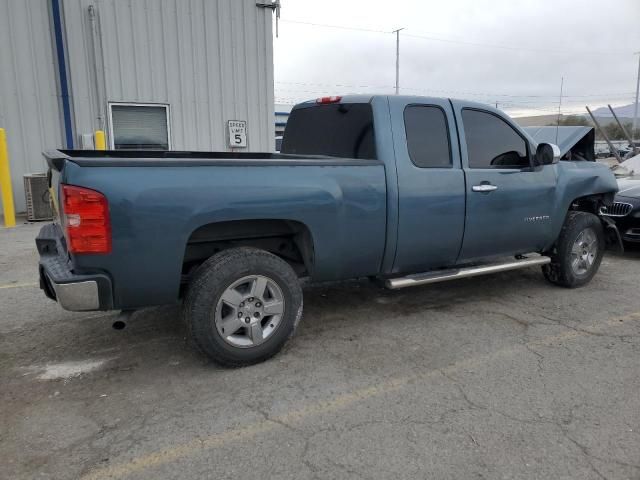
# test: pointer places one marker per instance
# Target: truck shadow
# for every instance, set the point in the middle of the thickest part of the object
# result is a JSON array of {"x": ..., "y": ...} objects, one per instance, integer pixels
[
  {"x": 631, "y": 252},
  {"x": 156, "y": 338}
]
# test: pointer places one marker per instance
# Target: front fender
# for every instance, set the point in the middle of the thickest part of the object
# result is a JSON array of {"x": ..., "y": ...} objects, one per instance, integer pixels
[{"x": 578, "y": 180}]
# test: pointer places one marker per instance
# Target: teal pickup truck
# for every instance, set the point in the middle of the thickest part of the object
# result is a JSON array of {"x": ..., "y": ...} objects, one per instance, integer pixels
[{"x": 409, "y": 190}]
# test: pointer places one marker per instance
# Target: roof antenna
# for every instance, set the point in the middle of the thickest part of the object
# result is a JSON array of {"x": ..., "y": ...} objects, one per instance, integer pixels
[{"x": 559, "y": 109}]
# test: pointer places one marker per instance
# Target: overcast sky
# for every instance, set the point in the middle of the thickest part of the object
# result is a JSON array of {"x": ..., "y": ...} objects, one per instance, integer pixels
[{"x": 513, "y": 52}]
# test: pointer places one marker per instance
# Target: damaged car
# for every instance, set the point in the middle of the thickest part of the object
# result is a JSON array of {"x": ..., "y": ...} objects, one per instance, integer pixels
[{"x": 625, "y": 210}]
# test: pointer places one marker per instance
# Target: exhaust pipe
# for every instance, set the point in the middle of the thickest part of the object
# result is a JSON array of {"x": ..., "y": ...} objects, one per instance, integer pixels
[
  {"x": 121, "y": 321},
  {"x": 119, "y": 325}
]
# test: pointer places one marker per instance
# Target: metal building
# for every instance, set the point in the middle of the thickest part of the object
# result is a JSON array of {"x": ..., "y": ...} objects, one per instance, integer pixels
[
  {"x": 282, "y": 115},
  {"x": 151, "y": 73}
]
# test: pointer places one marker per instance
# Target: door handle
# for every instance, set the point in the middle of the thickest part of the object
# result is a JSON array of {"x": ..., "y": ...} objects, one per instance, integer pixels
[{"x": 484, "y": 187}]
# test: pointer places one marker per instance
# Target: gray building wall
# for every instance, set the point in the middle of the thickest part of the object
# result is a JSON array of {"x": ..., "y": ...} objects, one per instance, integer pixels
[
  {"x": 28, "y": 88},
  {"x": 209, "y": 60}
]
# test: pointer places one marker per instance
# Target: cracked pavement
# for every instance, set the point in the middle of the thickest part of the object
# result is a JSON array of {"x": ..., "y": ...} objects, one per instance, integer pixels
[{"x": 502, "y": 376}]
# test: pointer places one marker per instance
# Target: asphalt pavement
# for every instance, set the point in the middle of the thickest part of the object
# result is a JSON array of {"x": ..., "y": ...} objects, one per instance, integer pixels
[{"x": 504, "y": 376}]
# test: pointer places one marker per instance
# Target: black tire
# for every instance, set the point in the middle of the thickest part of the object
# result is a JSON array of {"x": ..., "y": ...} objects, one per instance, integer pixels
[
  {"x": 560, "y": 271},
  {"x": 210, "y": 282}
]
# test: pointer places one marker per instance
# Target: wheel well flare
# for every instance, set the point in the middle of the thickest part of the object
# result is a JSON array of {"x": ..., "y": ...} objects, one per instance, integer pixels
[{"x": 289, "y": 239}]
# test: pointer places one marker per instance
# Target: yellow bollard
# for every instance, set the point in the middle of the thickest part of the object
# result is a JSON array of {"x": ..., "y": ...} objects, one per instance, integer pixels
[
  {"x": 100, "y": 140},
  {"x": 5, "y": 183}
]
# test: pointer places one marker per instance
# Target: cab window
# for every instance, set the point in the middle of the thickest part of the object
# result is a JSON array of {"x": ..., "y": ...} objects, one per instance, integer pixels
[
  {"x": 492, "y": 142},
  {"x": 337, "y": 130},
  {"x": 427, "y": 136}
]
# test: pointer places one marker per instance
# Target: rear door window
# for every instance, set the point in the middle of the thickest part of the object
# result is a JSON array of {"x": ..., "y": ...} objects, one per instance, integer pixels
[
  {"x": 337, "y": 130},
  {"x": 427, "y": 136}
]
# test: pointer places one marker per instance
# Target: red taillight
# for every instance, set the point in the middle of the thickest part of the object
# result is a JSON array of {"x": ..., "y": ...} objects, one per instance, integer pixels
[
  {"x": 334, "y": 99},
  {"x": 85, "y": 216}
]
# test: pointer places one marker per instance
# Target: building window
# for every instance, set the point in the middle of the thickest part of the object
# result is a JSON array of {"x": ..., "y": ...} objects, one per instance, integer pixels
[{"x": 139, "y": 126}]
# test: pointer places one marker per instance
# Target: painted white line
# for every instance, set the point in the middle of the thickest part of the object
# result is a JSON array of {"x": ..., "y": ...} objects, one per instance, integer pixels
[{"x": 18, "y": 285}]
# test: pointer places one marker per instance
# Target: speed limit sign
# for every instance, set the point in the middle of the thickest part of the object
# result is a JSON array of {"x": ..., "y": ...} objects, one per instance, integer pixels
[{"x": 237, "y": 133}]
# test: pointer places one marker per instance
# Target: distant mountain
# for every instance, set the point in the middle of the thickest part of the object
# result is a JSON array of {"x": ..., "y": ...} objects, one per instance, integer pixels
[{"x": 624, "y": 111}]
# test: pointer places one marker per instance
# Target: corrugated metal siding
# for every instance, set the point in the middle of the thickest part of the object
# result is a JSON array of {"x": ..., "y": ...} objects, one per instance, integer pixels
[
  {"x": 29, "y": 103},
  {"x": 211, "y": 61}
]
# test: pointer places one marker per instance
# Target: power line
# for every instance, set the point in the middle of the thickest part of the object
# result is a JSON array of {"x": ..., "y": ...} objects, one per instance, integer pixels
[
  {"x": 455, "y": 41},
  {"x": 287, "y": 94},
  {"x": 506, "y": 106},
  {"x": 515, "y": 48},
  {"x": 548, "y": 107},
  {"x": 339, "y": 27},
  {"x": 344, "y": 85},
  {"x": 610, "y": 96}
]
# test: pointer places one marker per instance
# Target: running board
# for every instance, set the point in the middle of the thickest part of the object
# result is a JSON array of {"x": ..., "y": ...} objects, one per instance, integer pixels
[{"x": 453, "y": 274}]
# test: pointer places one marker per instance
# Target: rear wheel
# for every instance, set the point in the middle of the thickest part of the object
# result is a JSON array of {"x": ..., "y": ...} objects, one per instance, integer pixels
[
  {"x": 576, "y": 255},
  {"x": 242, "y": 305}
]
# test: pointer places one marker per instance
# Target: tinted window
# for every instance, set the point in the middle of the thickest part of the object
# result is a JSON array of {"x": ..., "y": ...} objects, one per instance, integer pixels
[
  {"x": 337, "y": 130},
  {"x": 427, "y": 136},
  {"x": 492, "y": 142}
]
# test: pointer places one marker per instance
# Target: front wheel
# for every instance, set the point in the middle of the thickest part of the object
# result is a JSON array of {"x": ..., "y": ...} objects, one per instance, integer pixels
[
  {"x": 242, "y": 305},
  {"x": 576, "y": 255}
]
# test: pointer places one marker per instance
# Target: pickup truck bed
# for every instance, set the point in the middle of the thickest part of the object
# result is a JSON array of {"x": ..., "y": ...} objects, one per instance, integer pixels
[{"x": 345, "y": 193}]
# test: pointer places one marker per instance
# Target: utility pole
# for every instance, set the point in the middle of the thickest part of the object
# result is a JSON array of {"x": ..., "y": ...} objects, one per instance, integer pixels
[
  {"x": 397, "y": 32},
  {"x": 635, "y": 109}
]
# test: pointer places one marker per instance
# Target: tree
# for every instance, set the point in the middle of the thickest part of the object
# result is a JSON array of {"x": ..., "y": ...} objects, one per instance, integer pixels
[
  {"x": 571, "y": 121},
  {"x": 614, "y": 132},
  {"x": 612, "y": 129}
]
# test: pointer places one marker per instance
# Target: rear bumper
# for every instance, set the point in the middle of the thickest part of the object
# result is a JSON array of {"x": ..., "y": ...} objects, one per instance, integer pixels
[
  {"x": 73, "y": 291},
  {"x": 77, "y": 296}
]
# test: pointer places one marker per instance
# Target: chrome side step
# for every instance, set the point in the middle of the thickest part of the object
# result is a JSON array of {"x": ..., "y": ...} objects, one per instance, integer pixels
[{"x": 453, "y": 274}]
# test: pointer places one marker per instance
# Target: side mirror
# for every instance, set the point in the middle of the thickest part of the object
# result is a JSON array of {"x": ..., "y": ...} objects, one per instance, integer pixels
[{"x": 547, "y": 154}]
